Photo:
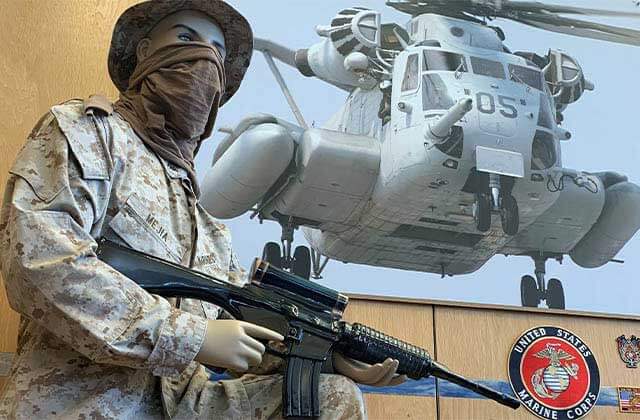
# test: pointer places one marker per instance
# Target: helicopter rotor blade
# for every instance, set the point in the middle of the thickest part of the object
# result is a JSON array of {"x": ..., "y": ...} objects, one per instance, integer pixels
[
  {"x": 416, "y": 7},
  {"x": 533, "y": 13},
  {"x": 575, "y": 27},
  {"x": 485, "y": 7},
  {"x": 535, "y": 6}
]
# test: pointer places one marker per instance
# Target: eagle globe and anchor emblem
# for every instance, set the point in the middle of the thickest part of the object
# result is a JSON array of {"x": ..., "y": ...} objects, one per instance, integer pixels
[
  {"x": 554, "y": 373},
  {"x": 553, "y": 380}
]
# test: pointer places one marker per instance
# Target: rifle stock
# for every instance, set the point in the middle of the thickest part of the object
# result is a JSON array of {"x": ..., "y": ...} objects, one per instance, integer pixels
[{"x": 308, "y": 315}]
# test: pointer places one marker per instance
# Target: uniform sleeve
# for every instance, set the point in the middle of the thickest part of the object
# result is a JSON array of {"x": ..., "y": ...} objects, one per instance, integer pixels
[{"x": 49, "y": 219}]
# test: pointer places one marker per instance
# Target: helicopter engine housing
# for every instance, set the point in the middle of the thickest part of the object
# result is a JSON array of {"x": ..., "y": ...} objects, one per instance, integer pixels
[
  {"x": 322, "y": 60},
  {"x": 243, "y": 174},
  {"x": 335, "y": 174},
  {"x": 565, "y": 78},
  {"x": 618, "y": 222},
  {"x": 453, "y": 33},
  {"x": 354, "y": 35}
]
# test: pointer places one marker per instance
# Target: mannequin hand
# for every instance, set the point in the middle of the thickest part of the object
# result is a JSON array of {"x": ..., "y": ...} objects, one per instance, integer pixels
[
  {"x": 380, "y": 374},
  {"x": 232, "y": 344}
]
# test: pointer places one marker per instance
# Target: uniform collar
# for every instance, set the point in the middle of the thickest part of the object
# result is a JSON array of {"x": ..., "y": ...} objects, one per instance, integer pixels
[{"x": 173, "y": 171}]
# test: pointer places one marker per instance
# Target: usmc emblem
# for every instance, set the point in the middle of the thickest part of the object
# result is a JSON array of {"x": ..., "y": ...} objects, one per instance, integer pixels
[
  {"x": 553, "y": 380},
  {"x": 629, "y": 350},
  {"x": 554, "y": 373}
]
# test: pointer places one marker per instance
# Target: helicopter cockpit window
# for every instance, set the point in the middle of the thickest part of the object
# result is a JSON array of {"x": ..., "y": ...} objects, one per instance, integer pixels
[
  {"x": 410, "y": 79},
  {"x": 435, "y": 94},
  {"x": 485, "y": 67},
  {"x": 543, "y": 151},
  {"x": 526, "y": 75},
  {"x": 429, "y": 43},
  {"x": 435, "y": 60},
  {"x": 545, "y": 115}
]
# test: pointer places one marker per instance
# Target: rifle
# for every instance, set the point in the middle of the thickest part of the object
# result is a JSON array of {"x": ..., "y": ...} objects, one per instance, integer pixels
[{"x": 307, "y": 314}]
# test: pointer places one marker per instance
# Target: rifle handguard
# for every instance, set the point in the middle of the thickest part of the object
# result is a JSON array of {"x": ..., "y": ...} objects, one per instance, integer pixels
[{"x": 367, "y": 345}]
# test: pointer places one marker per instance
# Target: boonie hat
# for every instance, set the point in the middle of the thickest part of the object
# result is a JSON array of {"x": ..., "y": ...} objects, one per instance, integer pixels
[{"x": 137, "y": 21}]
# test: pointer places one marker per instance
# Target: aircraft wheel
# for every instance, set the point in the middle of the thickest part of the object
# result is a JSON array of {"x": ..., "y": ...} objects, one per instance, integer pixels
[
  {"x": 272, "y": 254},
  {"x": 482, "y": 211},
  {"x": 509, "y": 215},
  {"x": 555, "y": 294},
  {"x": 302, "y": 262},
  {"x": 529, "y": 292}
]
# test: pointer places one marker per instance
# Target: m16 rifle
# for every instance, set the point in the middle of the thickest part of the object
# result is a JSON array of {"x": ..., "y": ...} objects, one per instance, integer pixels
[{"x": 307, "y": 314}]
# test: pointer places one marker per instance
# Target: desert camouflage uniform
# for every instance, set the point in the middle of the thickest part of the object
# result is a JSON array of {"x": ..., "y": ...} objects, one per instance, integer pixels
[{"x": 92, "y": 343}]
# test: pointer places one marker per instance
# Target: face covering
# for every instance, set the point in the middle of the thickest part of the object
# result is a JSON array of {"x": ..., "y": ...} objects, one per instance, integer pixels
[{"x": 173, "y": 99}]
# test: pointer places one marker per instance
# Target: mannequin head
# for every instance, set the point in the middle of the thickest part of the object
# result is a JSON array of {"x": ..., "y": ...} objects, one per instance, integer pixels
[{"x": 182, "y": 26}]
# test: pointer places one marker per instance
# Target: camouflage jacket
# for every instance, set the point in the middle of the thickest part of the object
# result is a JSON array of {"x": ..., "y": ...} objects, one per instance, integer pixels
[{"x": 92, "y": 343}]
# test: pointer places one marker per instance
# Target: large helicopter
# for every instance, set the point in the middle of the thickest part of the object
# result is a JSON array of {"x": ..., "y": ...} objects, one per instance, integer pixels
[{"x": 446, "y": 152}]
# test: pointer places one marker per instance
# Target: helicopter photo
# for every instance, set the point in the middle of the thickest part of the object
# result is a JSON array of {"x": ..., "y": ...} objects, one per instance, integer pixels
[{"x": 446, "y": 152}]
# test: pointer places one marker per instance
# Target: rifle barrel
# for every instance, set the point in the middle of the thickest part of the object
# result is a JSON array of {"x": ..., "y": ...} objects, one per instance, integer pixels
[{"x": 440, "y": 371}]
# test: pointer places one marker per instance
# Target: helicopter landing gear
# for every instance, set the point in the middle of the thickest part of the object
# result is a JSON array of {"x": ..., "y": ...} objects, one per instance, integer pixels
[
  {"x": 301, "y": 263},
  {"x": 529, "y": 292},
  {"x": 298, "y": 263},
  {"x": 272, "y": 254},
  {"x": 319, "y": 262},
  {"x": 509, "y": 214},
  {"x": 506, "y": 204},
  {"x": 555, "y": 294},
  {"x": 482, "y": 211},
  {"x": 534, "y": 290},
  {"x": 498, "y": 200}
]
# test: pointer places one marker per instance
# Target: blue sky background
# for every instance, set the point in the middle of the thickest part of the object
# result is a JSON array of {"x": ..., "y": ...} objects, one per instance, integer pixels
[{"x": 605, "y": 126}]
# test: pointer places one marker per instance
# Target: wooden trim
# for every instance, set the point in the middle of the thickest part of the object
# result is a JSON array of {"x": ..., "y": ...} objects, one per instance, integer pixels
[{"x": 456, "y": 304}]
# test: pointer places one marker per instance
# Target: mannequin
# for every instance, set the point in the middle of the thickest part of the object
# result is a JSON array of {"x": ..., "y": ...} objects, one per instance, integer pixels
[{"x": 94, "y": 342}]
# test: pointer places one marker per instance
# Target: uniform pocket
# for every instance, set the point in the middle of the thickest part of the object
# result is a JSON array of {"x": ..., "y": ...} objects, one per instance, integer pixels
[{"x": 130, "y": 225}]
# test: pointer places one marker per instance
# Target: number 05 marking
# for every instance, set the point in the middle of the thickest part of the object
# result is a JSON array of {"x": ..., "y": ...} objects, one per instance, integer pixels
[{"x": 487, "y": 105}]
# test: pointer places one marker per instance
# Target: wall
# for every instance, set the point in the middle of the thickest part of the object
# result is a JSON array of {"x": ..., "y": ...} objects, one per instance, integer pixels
[
  {"x": 50, "y": 51},
  {"x": 475, "y": 341}
]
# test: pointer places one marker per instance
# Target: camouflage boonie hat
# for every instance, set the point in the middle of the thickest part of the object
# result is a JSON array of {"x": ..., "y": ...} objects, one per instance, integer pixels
[{"x": 137, "y": 21}]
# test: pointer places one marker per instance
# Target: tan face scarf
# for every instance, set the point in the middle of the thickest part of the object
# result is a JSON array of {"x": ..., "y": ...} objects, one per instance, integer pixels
[{"x": 173, "y": 99}]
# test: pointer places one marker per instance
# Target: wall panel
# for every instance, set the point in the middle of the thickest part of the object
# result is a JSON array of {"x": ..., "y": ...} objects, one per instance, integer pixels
[
  {"x": 409, "y": 322},
  {"x": 478, "y": 341},
  {"x": 464, "y": 409}
]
